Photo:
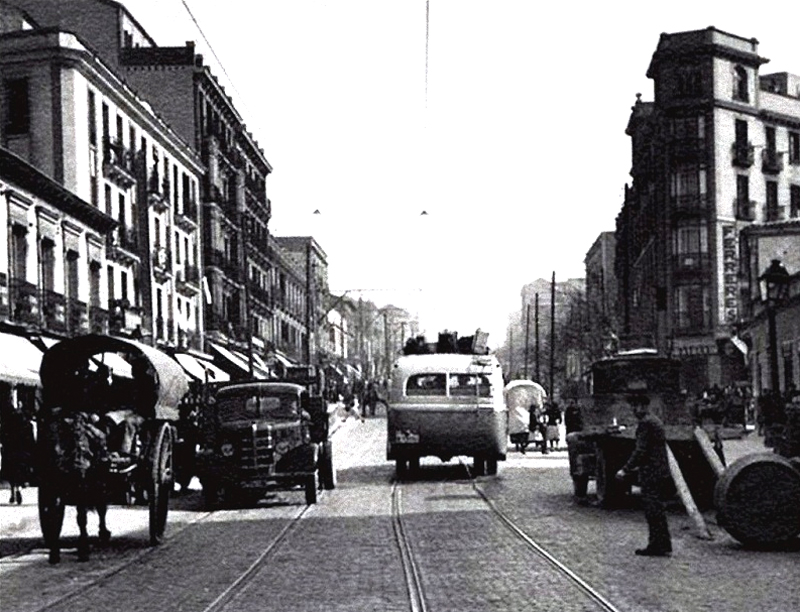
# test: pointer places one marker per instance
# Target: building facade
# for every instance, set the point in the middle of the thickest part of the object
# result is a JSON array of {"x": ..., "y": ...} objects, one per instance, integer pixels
[
  {"x": 601, "y": 296},
  {"x": 69, "y": 114},
  {"x": 716, "y": 151}
]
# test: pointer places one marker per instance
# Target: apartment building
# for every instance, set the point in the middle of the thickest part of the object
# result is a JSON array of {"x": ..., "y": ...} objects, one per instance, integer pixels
[
  {"x": 235, "y": 211},
  {"x": 601, "y": 296},
  {"x": 716, "y": 151},
  {"x": 68, "y": 114}
]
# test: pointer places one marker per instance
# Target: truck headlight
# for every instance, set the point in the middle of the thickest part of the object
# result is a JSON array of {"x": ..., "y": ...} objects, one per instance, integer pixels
[{"x": 226, "y": 449}]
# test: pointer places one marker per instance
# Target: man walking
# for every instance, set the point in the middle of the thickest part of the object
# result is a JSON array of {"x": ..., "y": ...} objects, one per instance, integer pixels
[{"x": 650, "y": 458}]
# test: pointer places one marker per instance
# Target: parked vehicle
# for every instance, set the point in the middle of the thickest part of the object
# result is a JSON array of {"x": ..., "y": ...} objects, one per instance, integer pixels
[
  {"x": 447, "y": 404},
  {"x": 126, "y": 394},
  {"x": 606, "y": 440},
  {"x": 259, "y": 436}
]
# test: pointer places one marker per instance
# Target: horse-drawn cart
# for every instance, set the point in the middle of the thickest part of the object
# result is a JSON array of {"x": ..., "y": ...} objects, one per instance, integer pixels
[{"x": 107, "y": 429}]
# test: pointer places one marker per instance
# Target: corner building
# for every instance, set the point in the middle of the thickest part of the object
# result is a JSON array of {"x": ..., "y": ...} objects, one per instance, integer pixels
[{"x": 717, "y": 151}]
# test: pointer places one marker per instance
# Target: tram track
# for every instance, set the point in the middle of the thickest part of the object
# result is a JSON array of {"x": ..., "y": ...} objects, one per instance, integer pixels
[
  {"x": 520, "y": 534},
  {"x": 414, "y": 576}
]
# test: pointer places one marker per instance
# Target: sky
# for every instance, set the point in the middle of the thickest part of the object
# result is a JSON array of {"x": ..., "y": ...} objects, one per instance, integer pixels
[{"x": 509, "y": 132}]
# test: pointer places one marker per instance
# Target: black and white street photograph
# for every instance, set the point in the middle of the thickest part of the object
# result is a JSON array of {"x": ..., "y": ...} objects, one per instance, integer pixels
[{"x": 399, "y": 306}]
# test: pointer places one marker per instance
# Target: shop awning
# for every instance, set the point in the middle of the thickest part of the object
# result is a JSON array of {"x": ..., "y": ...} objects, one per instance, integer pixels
[
  {"x": 19, "y": 360},
  {"x": 200, "y": 369},
  {"x": 237, "y": 364},
  {"x": 258, "y": 371},
  {"x": 283, "y": 359}
]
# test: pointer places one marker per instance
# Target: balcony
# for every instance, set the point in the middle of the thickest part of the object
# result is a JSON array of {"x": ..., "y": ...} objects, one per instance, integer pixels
[
  {"x": 229, "y": 268},
  {"x": 775, "y": 213},
  {"x": 745, "y": 209},
  {"x": 187, "y": 281},
  {"x": 743, "y": 154},
  {"x": 5, "y": 309},
  {"x": 158, "y": 191},
  {"x": 123, "y": 317},
  {"x": 771, "y": 162},
  {"x": 690, "y": 264},
  {"x": 186, "y": 218},
  {"x": 118, "y": 163},
  {"x": 24, "y": 302},
  {"x": 77, "y": 317},
  {"x": 122, "y": 245},
  {"x": 98, "y": 320},
  {"x": 689, "y": 149},
  {"x": 690, "y": 205},
  {"x": 54, "y": 309}
]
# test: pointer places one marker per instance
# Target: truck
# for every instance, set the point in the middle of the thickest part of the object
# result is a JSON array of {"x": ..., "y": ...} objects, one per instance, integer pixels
[
  {"x": 261, "y": 435},
  {"x": 606, "y": 438}
]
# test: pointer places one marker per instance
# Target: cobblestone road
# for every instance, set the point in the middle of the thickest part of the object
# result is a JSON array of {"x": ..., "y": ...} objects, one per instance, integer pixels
[{"x": 342, "y": 554}]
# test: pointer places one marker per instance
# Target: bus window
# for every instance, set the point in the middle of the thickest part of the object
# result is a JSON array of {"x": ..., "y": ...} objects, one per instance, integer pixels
[
  {"x": 426, "y": 384},
  {"x": 462, "y": 385}
]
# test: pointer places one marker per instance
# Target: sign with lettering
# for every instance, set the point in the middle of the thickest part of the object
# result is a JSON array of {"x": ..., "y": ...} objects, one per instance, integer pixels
[{"x": 730, "y": 278}]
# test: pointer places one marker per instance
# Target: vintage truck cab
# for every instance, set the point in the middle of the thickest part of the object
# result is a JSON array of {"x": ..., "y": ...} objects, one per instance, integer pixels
[{"x": 258, "y": 436}]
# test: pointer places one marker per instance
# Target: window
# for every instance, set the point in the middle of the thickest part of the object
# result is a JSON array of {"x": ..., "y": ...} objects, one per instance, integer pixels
[
  {"x": 92, "y": 119},
  {"x": 426, "y": 384},
  {"x": 110, "y": 280},
  {"x": 794, "y": 148},
  {"x": 469, "y": 385},
  {"x": 691, "y": 239},
  {"x": 743, "y": 188},
  {"x": 741, "y": 132},
  {"x": 94, "y": 284},
  {"x": 18, "y": 111},
  {"x": 689, "y": 127},
  {"x": 772, "y": 201},
  {"x": 692, "y": 307},
  {"x": 48, "y": 264},
  {"x": 73, "y": 275},
  {"x": 740, "y": 84},
  {"x": 19, "y": 252},
  {"x": 769, "y": 134},
  {"x": 106, "y": 128},
  {"x": 108, "y": 200},
  {"x": 688, "y": 181},
  {"x": 123, "y": 284},
  {"x": 794, "y": 198}
]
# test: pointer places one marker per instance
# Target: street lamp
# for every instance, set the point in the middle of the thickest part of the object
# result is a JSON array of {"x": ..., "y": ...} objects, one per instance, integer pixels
[{"x": 775, "y": 280}]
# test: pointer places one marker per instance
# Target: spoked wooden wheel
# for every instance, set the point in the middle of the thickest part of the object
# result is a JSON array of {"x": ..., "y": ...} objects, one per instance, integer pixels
[{"x": 160, "y": 486}]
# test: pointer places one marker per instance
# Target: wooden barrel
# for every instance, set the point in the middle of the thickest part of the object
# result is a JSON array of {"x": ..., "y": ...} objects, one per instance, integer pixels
[{"x": 758, "y": 500}]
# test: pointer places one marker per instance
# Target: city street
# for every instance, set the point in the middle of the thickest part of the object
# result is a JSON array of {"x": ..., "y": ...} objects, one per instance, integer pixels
[{"x": 345, "y": 552}]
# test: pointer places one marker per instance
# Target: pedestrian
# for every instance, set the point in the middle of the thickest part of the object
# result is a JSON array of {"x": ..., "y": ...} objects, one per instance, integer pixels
[
  {"x": 650, "y": 459},
  {"x": 349, "y": 399},
  {"x": 519, "y": 426},
  {"x": 553, "y": 420},
  {"x": 17, "y": 448},
  {"x": 573, "y": 421}
]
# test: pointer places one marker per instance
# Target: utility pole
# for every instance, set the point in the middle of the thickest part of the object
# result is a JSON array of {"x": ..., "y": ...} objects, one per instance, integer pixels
[
  {"x": 527, "y": 335},
  {"x": 552, "y": 330},
  {"x": 510, "y": 352},
  {"x": 309, "y": 305},
  {"x": 538, "y": 367},
  {"x": 386, "y": 344}
]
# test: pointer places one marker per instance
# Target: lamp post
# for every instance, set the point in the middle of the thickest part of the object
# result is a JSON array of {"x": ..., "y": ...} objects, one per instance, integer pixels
[{"x": 776, "y": 287}]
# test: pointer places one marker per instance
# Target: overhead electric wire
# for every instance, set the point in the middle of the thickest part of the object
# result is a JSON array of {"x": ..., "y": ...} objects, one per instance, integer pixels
[{"x": 214, "y": 53}]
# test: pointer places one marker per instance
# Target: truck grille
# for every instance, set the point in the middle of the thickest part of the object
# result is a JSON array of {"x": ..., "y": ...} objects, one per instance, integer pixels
[{"x": 254, "y": 451}]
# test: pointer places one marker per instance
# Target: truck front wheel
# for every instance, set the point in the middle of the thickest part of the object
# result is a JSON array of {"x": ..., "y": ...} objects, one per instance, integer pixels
[{"x": 580, "y": 484}]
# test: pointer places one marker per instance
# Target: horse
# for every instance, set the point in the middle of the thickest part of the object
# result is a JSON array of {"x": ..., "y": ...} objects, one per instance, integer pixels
[{"x": 74, "y": 473}]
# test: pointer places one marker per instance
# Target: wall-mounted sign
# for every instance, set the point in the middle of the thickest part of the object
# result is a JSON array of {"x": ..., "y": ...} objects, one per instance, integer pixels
[{"x": 730, "y": 274}]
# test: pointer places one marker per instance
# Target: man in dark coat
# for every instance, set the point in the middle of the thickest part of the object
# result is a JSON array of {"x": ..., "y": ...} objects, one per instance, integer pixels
[{"x": 650, "y": 458}]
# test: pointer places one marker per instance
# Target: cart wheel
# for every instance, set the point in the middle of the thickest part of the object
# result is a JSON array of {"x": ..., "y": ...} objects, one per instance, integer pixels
[
  {"x": 51, "y": 519},
  {"x": 401, "y": 468},
  {"x": 608, "y": 490},
  {"x": 311, "y": 489},
  {"x": 160, "y": 482},
  {"x": 327, "y": 472},
  {"x": 491, "y": 466}
]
